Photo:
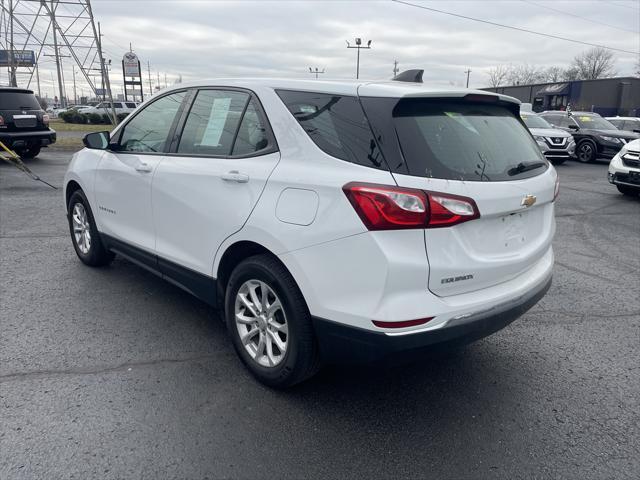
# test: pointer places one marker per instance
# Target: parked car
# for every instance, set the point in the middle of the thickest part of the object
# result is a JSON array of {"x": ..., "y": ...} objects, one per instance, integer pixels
[
  {"x": 24, "y": 126},
  {"x": 631, "y": 124},
  {"x": 105, "y": 107},
  {"x": 330, "y": 221},
  {"x": 594, "y": 136},
  {"x": 556, "y": 145},
  {"x": 624, "y": 169}
]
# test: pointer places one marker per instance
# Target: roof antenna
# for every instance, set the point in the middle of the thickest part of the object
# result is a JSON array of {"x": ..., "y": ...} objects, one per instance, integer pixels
[{"x": 412, "y": 76}]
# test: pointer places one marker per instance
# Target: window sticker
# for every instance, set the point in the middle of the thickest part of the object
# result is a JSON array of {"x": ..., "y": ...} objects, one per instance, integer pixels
[{"x": 217, "y": 121}]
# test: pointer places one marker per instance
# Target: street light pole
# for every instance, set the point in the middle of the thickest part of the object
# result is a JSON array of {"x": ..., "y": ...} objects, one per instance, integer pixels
[
  {"x": 359, "y": 46},
  {"x": 316, "y": 71}
]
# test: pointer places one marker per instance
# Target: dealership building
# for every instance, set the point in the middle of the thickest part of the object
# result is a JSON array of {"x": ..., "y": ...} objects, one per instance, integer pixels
[{"x": 606, "y": 96}]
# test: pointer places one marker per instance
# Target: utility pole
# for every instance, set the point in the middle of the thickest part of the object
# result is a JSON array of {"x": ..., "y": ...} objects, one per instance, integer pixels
[
  {"x": 63, "y": 102},
  {"x": 467, "y": 71},
  {"x": 149, "y": 73},
  {"x": 165, "y": 80},
  {"x": 158, "y": 79},
  {"x": 75, "y": 93},
  {"x": 38, "y": 80},
  {"x": 359, "y": 46},
  {"x": 12, "y": 64},
  {"x": 395, "y": 68},
  {"x": 105, "y": 74},
  {"x": 316, "y": 71}
]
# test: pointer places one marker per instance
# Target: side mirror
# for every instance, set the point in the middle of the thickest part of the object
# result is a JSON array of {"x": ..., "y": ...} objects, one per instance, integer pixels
[
  {"x": 96, "y": 140},
  {"x": 574, "y": 127}
]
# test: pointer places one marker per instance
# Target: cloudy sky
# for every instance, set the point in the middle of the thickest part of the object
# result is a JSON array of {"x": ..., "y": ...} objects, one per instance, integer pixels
[{"x": 208, "y": 38}]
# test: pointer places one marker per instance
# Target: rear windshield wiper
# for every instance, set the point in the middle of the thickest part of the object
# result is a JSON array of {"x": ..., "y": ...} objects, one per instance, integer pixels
[{"x": 524, "y": 167}]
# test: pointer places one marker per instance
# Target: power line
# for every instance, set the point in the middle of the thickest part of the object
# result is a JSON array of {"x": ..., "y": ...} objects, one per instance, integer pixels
[
  {"x": 622, "y": 6},
  {"x": 495, "y": 24},
  {"x": 578, "y": 16}
]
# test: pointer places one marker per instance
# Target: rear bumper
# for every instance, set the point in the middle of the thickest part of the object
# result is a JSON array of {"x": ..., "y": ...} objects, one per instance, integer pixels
[
  {"x": 22, "y": 139},
  {"x": 340, "y": 343}
]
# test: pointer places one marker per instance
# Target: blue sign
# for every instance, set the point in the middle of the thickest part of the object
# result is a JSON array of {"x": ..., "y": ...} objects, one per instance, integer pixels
[{"x": 21, "y": 58}]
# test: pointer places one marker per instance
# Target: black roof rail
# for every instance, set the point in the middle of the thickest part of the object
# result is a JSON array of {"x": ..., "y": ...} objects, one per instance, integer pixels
[{"x": 413, "y": 76}]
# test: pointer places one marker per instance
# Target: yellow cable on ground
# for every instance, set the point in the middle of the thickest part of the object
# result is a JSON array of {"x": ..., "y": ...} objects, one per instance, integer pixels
[{"x": 15, "y": 160}]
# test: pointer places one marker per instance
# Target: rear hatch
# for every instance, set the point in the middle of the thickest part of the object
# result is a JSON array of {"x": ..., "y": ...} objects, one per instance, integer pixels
[
  {"x": 20, "y": 111},
  {"x": 474, "y": 147}
]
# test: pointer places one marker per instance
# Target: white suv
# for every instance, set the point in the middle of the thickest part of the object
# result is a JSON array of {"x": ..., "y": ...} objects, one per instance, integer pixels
[
  {"x": 624, "y": 169},
  {"x": 331, "y": 221}
]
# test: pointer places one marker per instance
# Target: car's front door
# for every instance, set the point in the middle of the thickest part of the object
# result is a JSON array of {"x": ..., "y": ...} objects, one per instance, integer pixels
[
  {"x": 124, "y": 175},
  {"x": 205, "y": 190}
]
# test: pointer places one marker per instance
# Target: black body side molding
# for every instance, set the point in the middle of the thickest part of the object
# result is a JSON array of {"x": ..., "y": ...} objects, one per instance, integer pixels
[{"x": 202, "y": 286}]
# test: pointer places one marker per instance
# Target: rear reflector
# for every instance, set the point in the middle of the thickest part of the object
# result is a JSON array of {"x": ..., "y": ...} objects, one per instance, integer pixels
[
  {"x": 556, "y": 189},
  {"x": 402, "y": 324},
  {"x": 383, "y": 207}
]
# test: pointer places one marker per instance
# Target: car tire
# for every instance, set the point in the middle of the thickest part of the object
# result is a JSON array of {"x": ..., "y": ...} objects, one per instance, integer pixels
[
  {"x": 558, "y": 161},
  {"x": 270, "y": 324},
  {"x": 29, "y": 152},
  {"x": 586, "y": 151},
  {"x": 626, "y": 190},
  {"x": 84, "y": 233}
]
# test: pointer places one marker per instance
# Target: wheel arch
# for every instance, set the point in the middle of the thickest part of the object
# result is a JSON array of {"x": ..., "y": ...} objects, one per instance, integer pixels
[{"x": 70, "y": 188}]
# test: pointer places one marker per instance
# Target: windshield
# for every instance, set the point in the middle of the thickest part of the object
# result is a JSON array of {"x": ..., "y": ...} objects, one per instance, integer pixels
[
  {"x": 534, "y": 121},
  {"x": 589, "y": 121},
  {"x": 18, "y": 101},
  {"x": 464, "y": 141}
]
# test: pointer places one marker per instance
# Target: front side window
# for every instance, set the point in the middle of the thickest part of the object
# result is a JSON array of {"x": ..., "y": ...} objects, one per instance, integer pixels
[
  {"x": 149, "y": 129},
  {"x": 212, "y": 123},
  {"x": 131, "y": 105},
  {"x": 459, "y": 140},
  {"x": 336, "y": 124}
]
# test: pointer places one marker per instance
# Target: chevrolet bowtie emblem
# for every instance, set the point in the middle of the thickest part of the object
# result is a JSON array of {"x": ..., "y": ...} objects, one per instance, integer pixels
[{"x": 528, "y": 200}]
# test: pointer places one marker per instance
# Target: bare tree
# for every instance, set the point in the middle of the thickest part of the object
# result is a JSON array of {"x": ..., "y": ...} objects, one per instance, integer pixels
[
  {"x": 524, "y": 74},
  {"x": 498, "y": 75},
  {"x": 638, "y": 68},
  {"x": 554, "y": 74},
  {"x": 596, "y": 62}
]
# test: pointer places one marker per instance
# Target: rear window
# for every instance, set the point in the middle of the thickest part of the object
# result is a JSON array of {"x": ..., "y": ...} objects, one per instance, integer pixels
[
  {"x": 18, "y": 101},
  {"x": 336, "y": 124},
  {"x": 455, "y": 140}
]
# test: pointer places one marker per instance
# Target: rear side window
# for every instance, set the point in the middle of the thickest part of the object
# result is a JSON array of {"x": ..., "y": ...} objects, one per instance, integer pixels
[
  {"x": 18, "y": 101},
  {"x": 252, "y": 134},
  {"x": 336, "y": 124},
  {"x": 212, "y": 122},
  {"x": 457, "y": 140},
  {"x": 131, "y": 105}
]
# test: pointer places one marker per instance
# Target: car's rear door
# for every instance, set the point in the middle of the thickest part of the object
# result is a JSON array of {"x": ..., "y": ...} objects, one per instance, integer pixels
[
  {"x": 124, "y": 174},
  {"x": 481, "y": 152},
  {"x": 206, "y": 188}
]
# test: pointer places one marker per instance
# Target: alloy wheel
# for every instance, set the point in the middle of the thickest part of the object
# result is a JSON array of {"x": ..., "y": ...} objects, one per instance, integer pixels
[
  {"x": 81, "y": 228},
  {"x": 261, "y": 323},
  {"x": 585, "y": 152}
]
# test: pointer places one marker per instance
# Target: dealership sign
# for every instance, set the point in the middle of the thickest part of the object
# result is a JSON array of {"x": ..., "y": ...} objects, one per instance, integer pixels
[
  {"x": 21, "y": 58},
  {"x": 131, "y": 65},
  {"x": 132, "y": 76}
]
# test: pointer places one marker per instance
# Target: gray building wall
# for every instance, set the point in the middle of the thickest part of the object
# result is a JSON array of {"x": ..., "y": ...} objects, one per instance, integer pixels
[{"x": 608, "y": 96}]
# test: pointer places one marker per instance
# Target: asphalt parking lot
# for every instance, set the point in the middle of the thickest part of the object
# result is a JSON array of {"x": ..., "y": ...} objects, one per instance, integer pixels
[{"x": 113, "y": 373}]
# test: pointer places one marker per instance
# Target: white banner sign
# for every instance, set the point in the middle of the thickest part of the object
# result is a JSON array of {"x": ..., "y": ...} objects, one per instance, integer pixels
[{"x": 131, "y": 65}]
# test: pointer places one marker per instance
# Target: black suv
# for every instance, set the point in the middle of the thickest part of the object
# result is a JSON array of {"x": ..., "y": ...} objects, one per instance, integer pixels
[
  {"x": 595, "y": 137},
  {"x": 24, "y": 126}
]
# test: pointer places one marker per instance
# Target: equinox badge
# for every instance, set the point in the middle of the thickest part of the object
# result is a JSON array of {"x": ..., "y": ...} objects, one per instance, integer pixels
[{"x": 528, "y": 200}]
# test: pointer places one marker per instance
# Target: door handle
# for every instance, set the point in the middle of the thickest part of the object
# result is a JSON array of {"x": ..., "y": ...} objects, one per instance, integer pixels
[
  {"x": 235, "y": 176},
  {"x": 144, "y": 167}
]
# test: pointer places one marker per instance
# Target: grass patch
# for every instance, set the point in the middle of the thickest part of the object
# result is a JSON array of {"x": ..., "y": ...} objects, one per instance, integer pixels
[{"x": 60, "y": 126}]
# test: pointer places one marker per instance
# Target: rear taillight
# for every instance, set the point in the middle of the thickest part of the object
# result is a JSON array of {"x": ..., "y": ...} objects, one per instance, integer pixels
[
  {"x": 383, "y": 207},
  {"x": 556, "y": 189},
  {"x": 45, "y": 119}
]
